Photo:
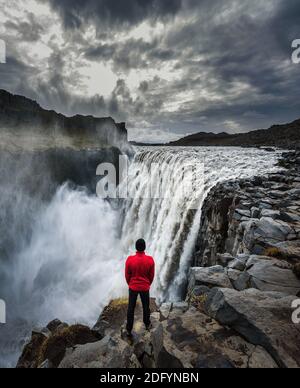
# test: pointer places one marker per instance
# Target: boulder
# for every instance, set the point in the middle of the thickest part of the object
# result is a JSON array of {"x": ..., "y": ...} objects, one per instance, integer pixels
[
  {"x": 265, "y": 275},
  {"x": 260, "y": 359},
  {"x": 197, "y": 341},
  {"x": 29, "y": 358},
  {"x": 255, "y": 212},
  {"x": 165, "y": 310},
  {"x": 239, "y": 214},
  {"x": 201, "y": 290},
  {"x": 239, "y": 263},
  {"x": 275, "y": 214},
  {"x": 53, "y": 346},
  {"x": 239, "y": 280},
  {"x": 107, "y": 353},
  {"x": 263, "y": 318},
  {"x": 263, "y": 233},
  {"x": 211, "y": 277},
  {"x": 114, "y": 315},
  {"x": 181, "y": 307},
  {"x": 224, "y": 259}
]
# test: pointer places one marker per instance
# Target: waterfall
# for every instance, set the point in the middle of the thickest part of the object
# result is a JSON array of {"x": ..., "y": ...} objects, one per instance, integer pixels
[
  {"x": 63, "y": 252},
  {"x": 168, "y": 187}
]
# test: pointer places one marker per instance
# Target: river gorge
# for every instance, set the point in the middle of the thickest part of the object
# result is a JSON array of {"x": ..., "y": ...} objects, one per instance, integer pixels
[{"x": 63, "y": 248}]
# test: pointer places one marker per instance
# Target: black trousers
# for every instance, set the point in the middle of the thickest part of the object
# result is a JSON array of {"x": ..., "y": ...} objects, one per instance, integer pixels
[{"x": 145, "y": 298}]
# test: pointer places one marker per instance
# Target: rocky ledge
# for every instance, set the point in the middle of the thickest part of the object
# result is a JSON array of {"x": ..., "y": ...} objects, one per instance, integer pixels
[
  {"x": 240, "y": 295},
  {"x": 183, "y": 335}
]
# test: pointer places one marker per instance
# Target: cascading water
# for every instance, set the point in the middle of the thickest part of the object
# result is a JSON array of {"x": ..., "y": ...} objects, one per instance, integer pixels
[
  {"x": 64, "y": 257},
  {"x": 170, "y": 221}
]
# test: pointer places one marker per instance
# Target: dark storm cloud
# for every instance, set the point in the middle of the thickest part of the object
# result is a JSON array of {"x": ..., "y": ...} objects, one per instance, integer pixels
[
  {"x": 75, "y": 13},
  {"x": 29, "y": 30},
  {"x": 228, "y": 62}
]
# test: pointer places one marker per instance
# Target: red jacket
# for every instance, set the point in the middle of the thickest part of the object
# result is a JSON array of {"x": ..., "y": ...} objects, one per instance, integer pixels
[{"x": 139, "y": 272}]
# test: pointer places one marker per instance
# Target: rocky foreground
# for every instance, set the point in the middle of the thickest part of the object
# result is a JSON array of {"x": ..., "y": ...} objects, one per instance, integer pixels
[{"x": 241, "y": 288}]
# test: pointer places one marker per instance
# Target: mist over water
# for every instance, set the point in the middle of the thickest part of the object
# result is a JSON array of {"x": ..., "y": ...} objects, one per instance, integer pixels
[
  {"x": 73, "y": 263},
  {"x": 63, "y": 256}
]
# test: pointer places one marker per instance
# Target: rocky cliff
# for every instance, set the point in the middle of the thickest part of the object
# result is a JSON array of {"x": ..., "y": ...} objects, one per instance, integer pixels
[
  {"x": 241, "y": 288},
  {"x": 25, "y": 125},
  {"x": 282, "y": 136},
  {"x": 43, "y": 147}
]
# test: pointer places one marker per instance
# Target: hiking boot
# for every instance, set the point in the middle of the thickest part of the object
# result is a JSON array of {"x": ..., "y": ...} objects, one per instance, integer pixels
[{"x": 126, "y": 334}]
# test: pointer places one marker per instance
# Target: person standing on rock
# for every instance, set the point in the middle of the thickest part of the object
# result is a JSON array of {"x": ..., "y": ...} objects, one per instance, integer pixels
[{"x": 139, "y": 273}]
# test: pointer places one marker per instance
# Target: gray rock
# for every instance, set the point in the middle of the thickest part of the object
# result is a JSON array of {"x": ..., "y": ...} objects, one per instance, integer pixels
[
  {"x": 239, "y": 213},
  {"x": 233, "y": 274},
  {"x": 290, "y": 217},
  {"x": 253, "y": 259},
  {"x": 266, "y": 276},
  {"x": 182, "y": 307},
  {"x": 263, "y": 318},
  {"x": 265, "y": 205},
  {"x": 211, "y": 277},
  {"x": 243, "y": 282},
  {"x": 275, "y": 214},
  {"x": 260, "y": 359},
  {"x": 201, "y": 290},
  {"x": 165, "y": 310},
  {"x": 107, "y": 353},
  {"x": 255, "y": 212},
  {"x": 224, "y": 259},
  {"x": 239, "y": 263},
  {"x": 265, "y": 232}
]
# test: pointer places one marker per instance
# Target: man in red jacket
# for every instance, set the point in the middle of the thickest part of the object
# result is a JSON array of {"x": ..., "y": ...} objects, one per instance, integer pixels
[{"x": 139, "y": 275}]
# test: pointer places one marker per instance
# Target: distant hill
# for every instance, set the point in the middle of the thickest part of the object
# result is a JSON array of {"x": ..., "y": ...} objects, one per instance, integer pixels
[
  {"x": 140, "y": 144},
  {"x": 24, "y": 123},
  {"x": 284, "y": 136}
]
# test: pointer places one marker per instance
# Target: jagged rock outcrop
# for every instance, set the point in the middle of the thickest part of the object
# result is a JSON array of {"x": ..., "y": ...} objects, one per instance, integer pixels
[
  {"x": 251, "y": 227},
  {"x": 258, "y": 216},
  {"x": 182, "y": 336},
  {"x": 263, "y": 318},
  {"x": 48, "y": 345},
  {"x": 250, "y": 234}
]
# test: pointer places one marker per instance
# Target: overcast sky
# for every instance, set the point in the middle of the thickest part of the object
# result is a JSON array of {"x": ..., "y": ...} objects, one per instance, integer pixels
[{"x": 166, "y": 67}]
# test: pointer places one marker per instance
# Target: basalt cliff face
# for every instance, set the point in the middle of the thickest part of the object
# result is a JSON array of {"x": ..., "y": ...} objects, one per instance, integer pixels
[
  {"x": 41, "y": 146},
  {"x": 25, "y": 125},
  {"x": 238, "y": 311}
]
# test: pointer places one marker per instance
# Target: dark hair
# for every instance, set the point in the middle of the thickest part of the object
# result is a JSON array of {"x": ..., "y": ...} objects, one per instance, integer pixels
[{"x": 140, "y": 245}]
